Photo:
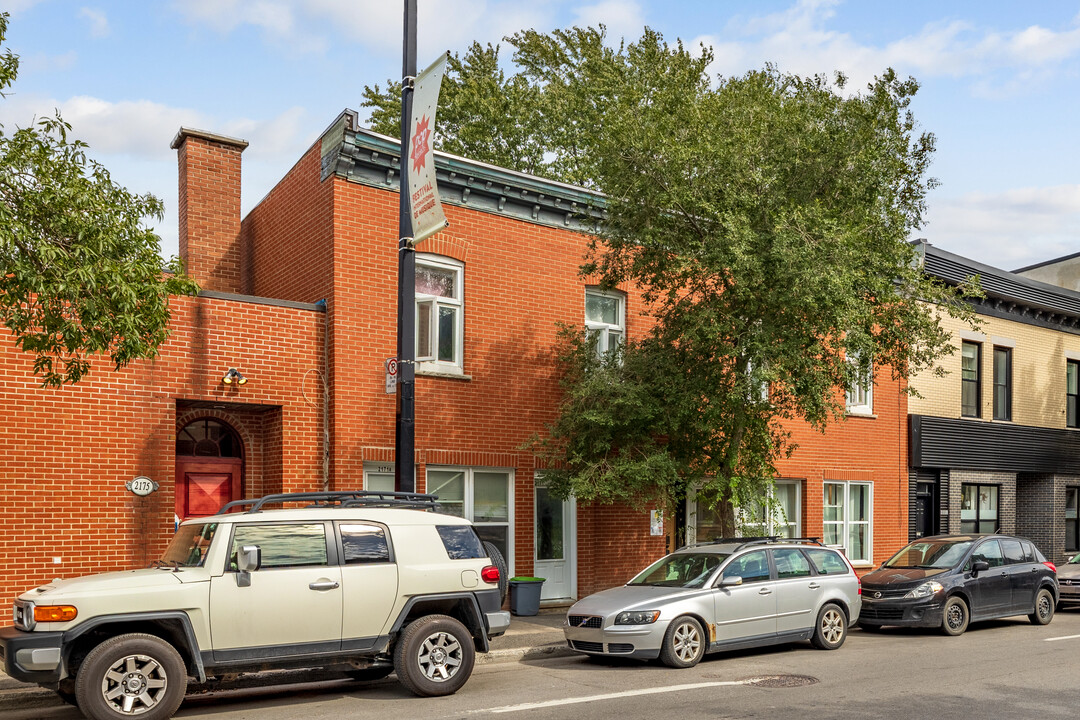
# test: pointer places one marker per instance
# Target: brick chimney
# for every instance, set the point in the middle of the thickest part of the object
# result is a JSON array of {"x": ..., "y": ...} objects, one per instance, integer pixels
[{"x": 210, "y": 208}]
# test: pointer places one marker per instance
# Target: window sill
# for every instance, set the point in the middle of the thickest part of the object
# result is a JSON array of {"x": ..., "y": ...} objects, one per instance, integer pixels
[
  {"x": 857, "y": 414},
  {"x": 444, "y": 375}
]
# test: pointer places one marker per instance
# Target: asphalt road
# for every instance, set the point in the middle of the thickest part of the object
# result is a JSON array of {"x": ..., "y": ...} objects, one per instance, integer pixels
[{"x": 1002, "y": 669}]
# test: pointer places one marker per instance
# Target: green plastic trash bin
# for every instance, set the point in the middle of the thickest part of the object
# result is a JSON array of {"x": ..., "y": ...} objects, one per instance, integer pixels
[{"x": 525, "y": 595}]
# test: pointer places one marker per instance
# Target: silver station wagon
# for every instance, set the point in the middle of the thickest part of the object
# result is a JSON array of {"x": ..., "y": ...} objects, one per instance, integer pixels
[{"x": 726, "y": 595}]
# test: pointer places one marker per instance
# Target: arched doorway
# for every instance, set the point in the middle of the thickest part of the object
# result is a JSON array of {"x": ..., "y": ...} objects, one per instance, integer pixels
[{"x": 209, "y": 467}]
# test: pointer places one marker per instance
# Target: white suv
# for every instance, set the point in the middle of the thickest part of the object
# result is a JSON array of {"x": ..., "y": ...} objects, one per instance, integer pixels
[{"x": 360, "y": 581}]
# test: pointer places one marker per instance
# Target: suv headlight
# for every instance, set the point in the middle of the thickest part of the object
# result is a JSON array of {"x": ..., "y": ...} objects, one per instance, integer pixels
[
  {"x": 924, "y": 591},
  {"x": 639, "y": 617}
]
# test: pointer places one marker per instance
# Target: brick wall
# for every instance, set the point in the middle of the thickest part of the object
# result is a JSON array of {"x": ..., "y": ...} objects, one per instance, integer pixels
[
  {"x": 68, "y": 452},
  {"x": 209, "y": 205},
  {"x": 1038, "y": 372}
]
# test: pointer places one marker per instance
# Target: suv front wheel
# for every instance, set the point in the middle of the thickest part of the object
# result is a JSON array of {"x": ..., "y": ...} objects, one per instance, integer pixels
[
  {"x": 133, "y": 675},
  {"x": 434, "y": 656}
]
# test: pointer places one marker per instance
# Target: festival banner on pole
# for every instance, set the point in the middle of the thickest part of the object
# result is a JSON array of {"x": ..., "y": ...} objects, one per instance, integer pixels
[{"x": 424, "y": 203}]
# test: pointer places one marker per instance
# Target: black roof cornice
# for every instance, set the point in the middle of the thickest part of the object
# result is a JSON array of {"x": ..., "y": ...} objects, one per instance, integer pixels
[{"x": 362, "y": 156}]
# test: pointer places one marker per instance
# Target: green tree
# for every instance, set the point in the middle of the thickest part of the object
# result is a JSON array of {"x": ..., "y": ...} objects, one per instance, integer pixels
[
  {"x": 765, "y": 220},
  {"x": 80, "y": 274}
]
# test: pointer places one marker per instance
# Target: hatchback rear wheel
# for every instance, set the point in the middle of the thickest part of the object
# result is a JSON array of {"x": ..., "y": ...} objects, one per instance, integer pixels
[
  {"x": 684, "y": 643},
  {"x": 1044, "y": 608}
]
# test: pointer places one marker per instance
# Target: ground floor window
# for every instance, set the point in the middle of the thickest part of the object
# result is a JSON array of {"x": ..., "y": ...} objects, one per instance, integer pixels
[
  {"x": 979, "y": 508},
  {"x": 480, "y": 495},
  {"x": 847, "y": 518},
  {"x": 779, "y": 514},
  {"x": 1072, "y": 519}
]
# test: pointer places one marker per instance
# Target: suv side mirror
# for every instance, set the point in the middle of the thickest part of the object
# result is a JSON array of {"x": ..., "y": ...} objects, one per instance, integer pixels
[
  {"x": 248, "y": 559},
  {"x": 731, "y": 581},
  {"x": 980, "y": 566}
]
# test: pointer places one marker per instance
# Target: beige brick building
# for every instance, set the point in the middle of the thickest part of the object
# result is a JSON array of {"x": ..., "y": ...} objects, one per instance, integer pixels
[{"x": 995, "y": 443}]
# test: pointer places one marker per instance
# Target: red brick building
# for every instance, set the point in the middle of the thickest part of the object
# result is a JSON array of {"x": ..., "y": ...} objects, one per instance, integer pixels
[{"x": 300, "y": 298}]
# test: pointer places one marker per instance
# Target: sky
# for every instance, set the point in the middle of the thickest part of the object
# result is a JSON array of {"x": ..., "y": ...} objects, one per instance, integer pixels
[{"x": 1000, "y": 84}]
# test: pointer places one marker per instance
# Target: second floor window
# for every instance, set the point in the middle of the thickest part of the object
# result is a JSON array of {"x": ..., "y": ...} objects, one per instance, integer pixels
[
  {"x": 1002, "y": 383},
  {"x": 860, "y": 394},
  {"x": 439, "y": 314},
  {"x": 605, "y": 319},
  {"x": 970, "y": 358},
  {"x": 1072, "y": 392}
]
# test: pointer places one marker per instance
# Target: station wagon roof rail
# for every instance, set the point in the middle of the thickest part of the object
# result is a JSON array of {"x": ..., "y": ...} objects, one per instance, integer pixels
[{"x": 743, "y": 542}]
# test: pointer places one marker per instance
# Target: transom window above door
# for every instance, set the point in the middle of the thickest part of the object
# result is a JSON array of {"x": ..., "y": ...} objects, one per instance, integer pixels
[
  {"x": 208, "y": 438},
  {"x": 439, "y": 314}
]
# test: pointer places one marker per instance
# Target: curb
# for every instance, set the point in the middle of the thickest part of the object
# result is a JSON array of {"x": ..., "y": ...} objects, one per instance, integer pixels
[{"x": 31, "y": 696}]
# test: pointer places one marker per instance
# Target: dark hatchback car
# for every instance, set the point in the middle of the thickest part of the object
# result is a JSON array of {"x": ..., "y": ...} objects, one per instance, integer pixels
[{"x": 948, "y": 581}]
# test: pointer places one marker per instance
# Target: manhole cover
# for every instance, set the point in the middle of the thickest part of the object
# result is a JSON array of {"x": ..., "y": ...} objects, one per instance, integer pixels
[{"x": 781, "y": 681}]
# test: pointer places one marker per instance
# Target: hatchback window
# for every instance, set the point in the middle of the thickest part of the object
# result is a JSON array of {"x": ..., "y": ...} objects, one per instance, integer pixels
[
  {"x": 680, "y": 570},
  {"x": 751, "y": 567},
  {"x": 989, "y": 552},
  {"x": 826, "y": 562},
  {"x": 790, "y": 563},
  {"x": 1012, "y": 550},
  {"x": 937, "y": 554}
]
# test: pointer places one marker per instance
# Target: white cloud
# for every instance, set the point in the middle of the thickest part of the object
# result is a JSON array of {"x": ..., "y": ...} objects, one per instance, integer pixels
[
  {"x": 623, "y": 18},
  {"x": 99, "y": 23},
  {"x": 799, "y": 40},
  {"x": 42, "y": 63},
  {"x": 1007, "y": 229}
]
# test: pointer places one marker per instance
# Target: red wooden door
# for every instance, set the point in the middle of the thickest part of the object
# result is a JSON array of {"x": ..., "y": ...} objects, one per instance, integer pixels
[{"x": 204, "y": 485}]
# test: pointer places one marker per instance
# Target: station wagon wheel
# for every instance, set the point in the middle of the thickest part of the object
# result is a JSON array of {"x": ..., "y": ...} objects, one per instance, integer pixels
[
  {"x": 831, "y": 628},
  {"x": 684, "y": 643},
  {"x": 434, "y": 655},
  {"x": 954, "y": 616},
  {"x": 133, "y": 675},
  {"x": 1044, "y": 608}
]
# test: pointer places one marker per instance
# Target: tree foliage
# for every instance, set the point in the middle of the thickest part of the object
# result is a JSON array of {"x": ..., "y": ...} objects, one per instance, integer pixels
[
  {"x": 764, "y": 219},
  {"x": 80, "y": 274}
]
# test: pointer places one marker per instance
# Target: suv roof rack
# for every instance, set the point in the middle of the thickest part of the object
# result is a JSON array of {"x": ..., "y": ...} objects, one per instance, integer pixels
[
  {"x": 340, "y": 499},
  {"x": 742, "y": 542}
]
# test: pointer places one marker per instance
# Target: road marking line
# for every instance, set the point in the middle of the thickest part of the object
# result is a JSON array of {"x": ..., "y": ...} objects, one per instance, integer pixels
[
  {"x": 1063, "y": 637},
  {"x": 612, "y": 696}
]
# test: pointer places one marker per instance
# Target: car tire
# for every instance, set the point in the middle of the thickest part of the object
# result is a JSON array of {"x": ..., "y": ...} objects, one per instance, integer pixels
[
  {"x": 153, "y": 679},
  {"x": 434, "y": 656},
  {"x": 831, "y": 628},
  {"x": 499, "y": 561},
  {"x": 1044, "y": 608},
  {"x": 370, "y": 673},
  {"x": 684, "y": 643},
  {"x": 955, "y": 616}
]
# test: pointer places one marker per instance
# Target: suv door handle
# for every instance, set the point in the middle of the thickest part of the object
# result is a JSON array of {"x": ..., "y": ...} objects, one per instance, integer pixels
[
  {"x": 1034, "y": 569},
  {"x": 764, "y": 591},
  {"x": 324, "y": 585},
  {"x": 1004, "y": 574},
  {"x": 813, "y": 586}
]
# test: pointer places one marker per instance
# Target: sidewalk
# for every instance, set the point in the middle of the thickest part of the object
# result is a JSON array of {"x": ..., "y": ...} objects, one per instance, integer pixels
[{"x": 528, "y": 638}]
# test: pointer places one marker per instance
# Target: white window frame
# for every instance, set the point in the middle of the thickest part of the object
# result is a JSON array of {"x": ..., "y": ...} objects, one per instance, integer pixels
[
  {"x": 374, "y": 472},
  {"x": 859, "y": 399},
  {"x": 775, "y": 519},
  {"x": 432, "y": 364},
  {"x": 604, "y": 329},
  {"x": 468, "y": 497},
  {"x": 845, "y": 523}
]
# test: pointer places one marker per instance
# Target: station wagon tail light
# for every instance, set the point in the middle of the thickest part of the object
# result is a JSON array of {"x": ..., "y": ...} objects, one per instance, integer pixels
[
  {"x": 490, "y": 574},
  {"x": 54, "y": 613},
  {"x": 1050, "y": 565},
  {"x": 641, "y": 617}
]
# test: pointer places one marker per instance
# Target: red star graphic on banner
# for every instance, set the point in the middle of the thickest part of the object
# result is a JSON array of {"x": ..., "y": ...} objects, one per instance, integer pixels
[{"x": 421, "y": 144}]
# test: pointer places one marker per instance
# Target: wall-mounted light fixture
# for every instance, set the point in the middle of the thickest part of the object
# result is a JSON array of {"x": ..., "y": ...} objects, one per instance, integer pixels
[{"x": 233, "y": 376}]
